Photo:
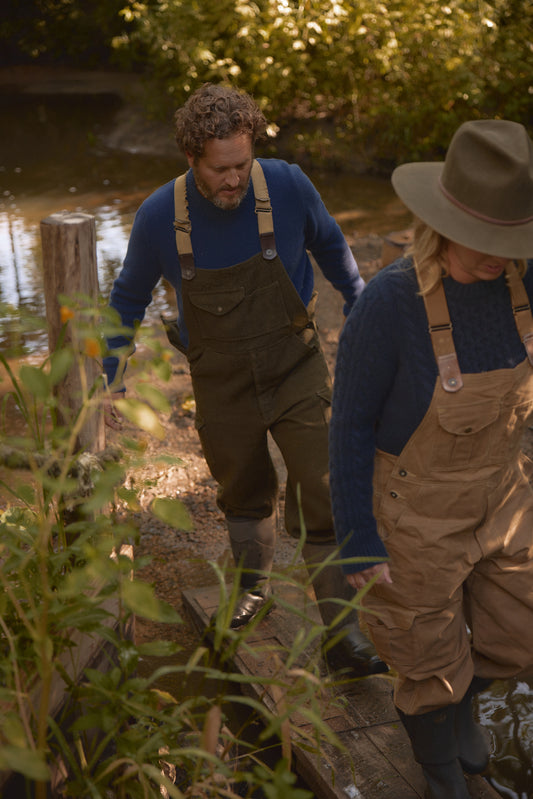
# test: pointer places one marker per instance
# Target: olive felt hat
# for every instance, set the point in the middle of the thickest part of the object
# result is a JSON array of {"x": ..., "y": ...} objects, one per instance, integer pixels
[{"x": 481, "y": 196}]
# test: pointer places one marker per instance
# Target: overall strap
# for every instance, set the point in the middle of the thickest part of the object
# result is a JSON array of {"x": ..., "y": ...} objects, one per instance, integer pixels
[
  {"x": 440, "y": 330},
  {"x": 263, "y": 209},
  {"x": 182, "y": 226},
  {"x": 521, "y": 308}
]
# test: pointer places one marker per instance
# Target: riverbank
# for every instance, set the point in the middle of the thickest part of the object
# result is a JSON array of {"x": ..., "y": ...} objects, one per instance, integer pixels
[{"x": 310, "y": 142}]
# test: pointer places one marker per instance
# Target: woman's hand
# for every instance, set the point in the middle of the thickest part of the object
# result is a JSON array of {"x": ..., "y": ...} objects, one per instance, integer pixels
[{"x": 360, "y": 579}]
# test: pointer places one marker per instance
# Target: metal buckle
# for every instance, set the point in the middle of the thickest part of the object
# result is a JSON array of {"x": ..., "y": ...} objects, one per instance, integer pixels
[
  {"x": 182, "y": 224},
  {"x": 521, "y": 308}
]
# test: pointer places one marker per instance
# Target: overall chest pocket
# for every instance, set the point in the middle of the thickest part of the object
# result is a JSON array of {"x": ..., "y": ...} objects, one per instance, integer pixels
[
  {"x": 467, "y": 434},
  {"x": 234, "y": 314}
]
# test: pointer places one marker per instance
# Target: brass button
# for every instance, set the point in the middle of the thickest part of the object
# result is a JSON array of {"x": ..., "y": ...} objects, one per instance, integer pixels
[
  {"x": 394, "y": 495},
  {"x": 403, "y": 473}
]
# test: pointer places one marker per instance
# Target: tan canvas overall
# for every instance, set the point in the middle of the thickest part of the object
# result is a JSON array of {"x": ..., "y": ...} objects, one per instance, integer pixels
[
  {"x": 256, "y": 366},
  {"x": 455, "y": 511}
]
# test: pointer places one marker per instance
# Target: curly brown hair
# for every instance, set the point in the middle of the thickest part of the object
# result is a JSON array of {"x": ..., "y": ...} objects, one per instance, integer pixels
[{"x": 216, "y": 112}]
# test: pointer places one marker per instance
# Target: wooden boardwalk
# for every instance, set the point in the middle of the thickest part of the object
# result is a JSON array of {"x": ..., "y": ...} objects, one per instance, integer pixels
[{"x": 377, "y": 761}]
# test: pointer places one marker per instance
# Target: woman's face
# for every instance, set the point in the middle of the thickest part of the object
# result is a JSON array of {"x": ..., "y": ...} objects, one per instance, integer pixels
[{"x": 469, "y": 266}]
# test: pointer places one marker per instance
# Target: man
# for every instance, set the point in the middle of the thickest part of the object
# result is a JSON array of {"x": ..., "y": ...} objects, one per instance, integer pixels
[{"x": 231, "y": 236}]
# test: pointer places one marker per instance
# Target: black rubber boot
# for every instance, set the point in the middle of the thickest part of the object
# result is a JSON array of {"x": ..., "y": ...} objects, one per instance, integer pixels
[
  {"x": 253, "y": 542},
  {"x": 345, "y": 646},
  {"x": 471, "y": 742},
  {"x": 435, "y": 748},
  {"x": 249, "y": 604}
]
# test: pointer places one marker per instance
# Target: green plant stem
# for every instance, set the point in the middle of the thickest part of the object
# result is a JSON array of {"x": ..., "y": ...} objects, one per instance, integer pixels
[{"x": 18, "y": 685}]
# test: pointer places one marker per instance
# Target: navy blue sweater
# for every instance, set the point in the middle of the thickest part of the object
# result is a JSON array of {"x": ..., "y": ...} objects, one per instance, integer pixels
[
  {"x": 385, "y": 377},
  {"x": 222, "y": 238}
]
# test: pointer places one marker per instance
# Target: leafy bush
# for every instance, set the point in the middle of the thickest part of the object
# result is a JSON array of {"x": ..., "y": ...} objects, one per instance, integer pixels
[
  {"x": 395, "y": 78},
  {"x": 77, "y": 32},
  {"x": 65, "y": 574},
  {"x": 377, "y": 83}
]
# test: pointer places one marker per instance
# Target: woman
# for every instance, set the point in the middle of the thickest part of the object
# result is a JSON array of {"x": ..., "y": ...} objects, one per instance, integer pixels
[{"x": 433, "y": 389}]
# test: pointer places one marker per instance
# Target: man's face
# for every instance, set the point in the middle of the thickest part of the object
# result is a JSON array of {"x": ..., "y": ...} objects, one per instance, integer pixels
[{"x": 223, "y": 171}]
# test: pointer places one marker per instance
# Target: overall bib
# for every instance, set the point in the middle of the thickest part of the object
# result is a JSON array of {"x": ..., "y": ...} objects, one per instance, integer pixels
[
  {"x": 256, "y": 366},
  {"x": 455, "y": 511}
]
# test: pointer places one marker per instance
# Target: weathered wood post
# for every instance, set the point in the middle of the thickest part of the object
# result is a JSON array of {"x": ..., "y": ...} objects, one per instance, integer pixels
[{"x": 69, "y": 261}]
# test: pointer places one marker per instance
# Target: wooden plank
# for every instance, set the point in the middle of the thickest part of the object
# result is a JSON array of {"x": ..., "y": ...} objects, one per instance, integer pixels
[
  {"x": 376, "y": 759},
  {"x": 361, "y": 772}
]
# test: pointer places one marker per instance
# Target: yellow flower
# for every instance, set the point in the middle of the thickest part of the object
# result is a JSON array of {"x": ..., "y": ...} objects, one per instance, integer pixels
[
  {"x": 92, "y": 347},
  {"x": 65, "y": 314}
]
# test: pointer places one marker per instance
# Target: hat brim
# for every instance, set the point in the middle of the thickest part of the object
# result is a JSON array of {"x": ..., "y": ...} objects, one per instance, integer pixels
[{"x": 417, "y": 185}]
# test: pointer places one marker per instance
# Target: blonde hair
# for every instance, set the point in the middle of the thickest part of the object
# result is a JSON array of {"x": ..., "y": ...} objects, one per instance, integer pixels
[{"x": 428, "y": 252}]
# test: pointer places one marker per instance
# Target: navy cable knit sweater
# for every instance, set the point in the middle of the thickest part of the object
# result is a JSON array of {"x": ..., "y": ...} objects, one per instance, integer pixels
[{"x": 385, "y": 377}]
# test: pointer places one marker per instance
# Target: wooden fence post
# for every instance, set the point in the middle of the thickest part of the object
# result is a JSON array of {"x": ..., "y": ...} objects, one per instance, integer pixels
[{"x": 69, "y": 263}]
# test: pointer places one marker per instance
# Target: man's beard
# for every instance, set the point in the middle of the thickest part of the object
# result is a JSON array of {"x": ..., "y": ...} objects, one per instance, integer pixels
[{"x": 226, "y": 204}]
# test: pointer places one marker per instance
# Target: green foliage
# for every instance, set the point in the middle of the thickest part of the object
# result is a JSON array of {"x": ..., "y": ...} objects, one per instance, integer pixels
[
  {"x": 60, "y": 31},
  {"x": 395, "y": 78},
  {"x": 67, "y": 577},
  {"x": 366, "y": 82},
  {"x": 171, "y": 512}
]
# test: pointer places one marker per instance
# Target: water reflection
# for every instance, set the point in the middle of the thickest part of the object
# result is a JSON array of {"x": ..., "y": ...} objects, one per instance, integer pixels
[
  {"x": 22, "y": 322},
  {"x": 21, "y": 293},
  {"x": 15, "y": 249},
  {"x": 506, "y": 711},
  {"x": 52, "y": 159}
]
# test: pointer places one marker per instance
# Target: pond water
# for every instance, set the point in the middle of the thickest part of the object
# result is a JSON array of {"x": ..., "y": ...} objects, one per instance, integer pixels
[
  {"x": 51, "y": 160},
  {"x": 53, "y": 157}
]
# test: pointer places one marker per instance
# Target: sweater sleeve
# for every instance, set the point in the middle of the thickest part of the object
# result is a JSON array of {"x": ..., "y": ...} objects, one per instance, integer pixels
[
  {"x": 366, "y": 365},
  {"x": 325, "y": 240},
  {"x": 131, "y": 293}
]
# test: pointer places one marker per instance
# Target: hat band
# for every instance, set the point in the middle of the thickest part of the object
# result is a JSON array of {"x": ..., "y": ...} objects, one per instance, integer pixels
[{"x": 483, "y": 217}]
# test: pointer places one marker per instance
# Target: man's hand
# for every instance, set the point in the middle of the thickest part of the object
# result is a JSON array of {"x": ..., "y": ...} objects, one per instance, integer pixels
[
  {"x": 112, "y": 417},
  {"x": 360, "y": 579}
]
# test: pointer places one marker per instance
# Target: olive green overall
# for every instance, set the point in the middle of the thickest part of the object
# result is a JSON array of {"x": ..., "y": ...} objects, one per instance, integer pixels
[
  {"x": 455, "y": 511},
  {"x": 257, "y": 366}
]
